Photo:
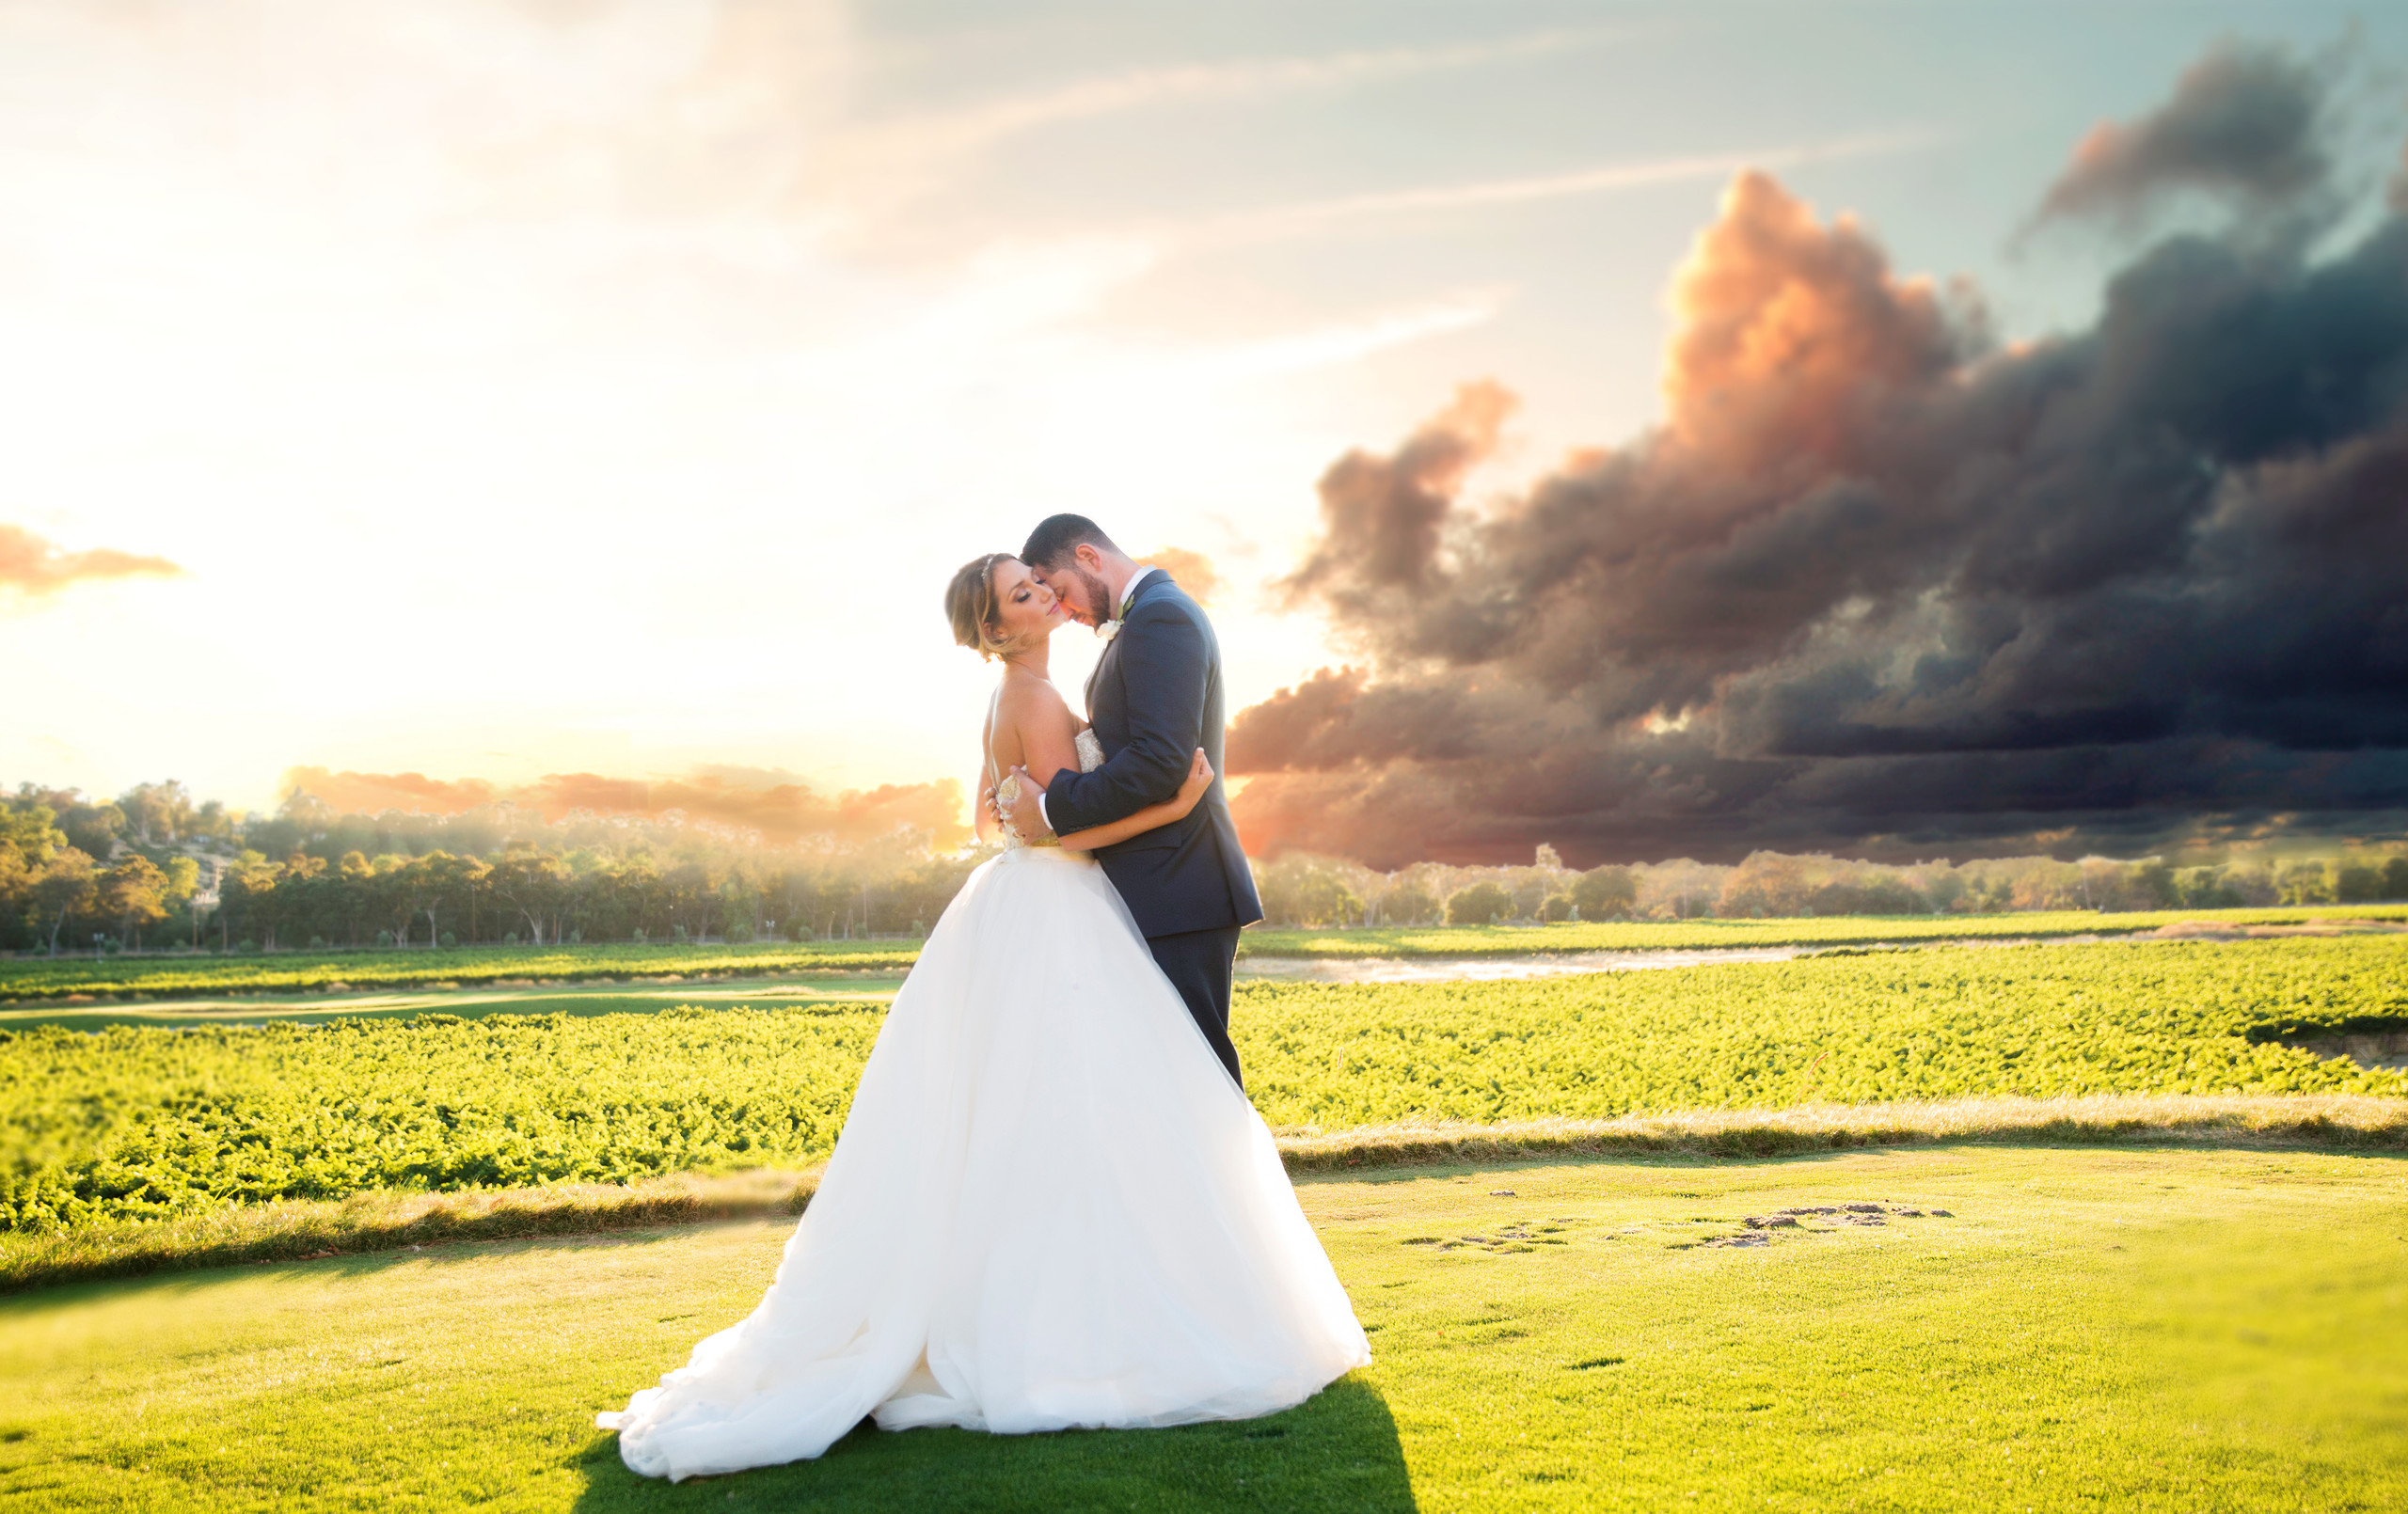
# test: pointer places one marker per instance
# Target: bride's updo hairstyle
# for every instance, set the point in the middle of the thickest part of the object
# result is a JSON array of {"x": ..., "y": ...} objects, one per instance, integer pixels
[{"x": 969, "y": 603}]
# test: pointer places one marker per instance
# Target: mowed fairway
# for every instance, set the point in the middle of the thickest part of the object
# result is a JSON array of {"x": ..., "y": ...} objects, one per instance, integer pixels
[{"x": 2086, "y": 1329}]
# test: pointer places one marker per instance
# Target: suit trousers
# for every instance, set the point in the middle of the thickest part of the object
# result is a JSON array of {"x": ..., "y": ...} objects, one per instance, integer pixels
[{"x": 1199, "y": 964}]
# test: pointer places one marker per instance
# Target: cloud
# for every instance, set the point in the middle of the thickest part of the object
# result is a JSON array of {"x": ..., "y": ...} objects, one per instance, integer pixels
[
  {"x": 2248, "y": 123},
  {"x": 772, "y": 804},
  {"x": 1880, "y": 583},
  {"x": 33, "y": 567},
  {"x": 1193, "y": 571}
]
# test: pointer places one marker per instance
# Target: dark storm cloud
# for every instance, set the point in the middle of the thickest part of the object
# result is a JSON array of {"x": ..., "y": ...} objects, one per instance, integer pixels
[
  {"x": 2247, "y": 123},
  {"x": 1879, "y": 584}
]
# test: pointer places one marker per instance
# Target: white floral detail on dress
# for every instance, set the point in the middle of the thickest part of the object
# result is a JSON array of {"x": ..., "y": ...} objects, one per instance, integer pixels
[
  {"x": 1007, "y": 798},
  {"x": 1090, "y": 747}
]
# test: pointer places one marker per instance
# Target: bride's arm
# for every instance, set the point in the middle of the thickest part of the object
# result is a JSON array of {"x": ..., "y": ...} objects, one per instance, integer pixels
[
  {"x": 983, "y": 823},
  {"x": 1191, "y": 794}
]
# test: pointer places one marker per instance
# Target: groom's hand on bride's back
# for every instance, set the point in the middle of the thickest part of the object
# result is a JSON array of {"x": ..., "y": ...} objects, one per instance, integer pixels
[{"x": 1026, "y": 817}]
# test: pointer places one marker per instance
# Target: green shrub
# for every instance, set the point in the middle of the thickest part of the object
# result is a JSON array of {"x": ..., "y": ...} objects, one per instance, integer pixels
[{"x": 1480, "y": 905}]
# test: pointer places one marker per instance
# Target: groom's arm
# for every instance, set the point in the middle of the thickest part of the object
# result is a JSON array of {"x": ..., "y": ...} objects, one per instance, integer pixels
[{"x": 1163, "y": 664}]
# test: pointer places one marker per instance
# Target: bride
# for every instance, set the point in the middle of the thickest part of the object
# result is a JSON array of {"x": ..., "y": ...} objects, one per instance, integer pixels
[{"x": 1051, "y": 1205}]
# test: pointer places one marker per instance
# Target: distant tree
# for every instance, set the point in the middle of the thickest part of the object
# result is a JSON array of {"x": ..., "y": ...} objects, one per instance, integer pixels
[
  {"x": 2304, "y": 883},
  {"x": 1868, "y": 892},
  {"x": 16, "y": 895},
  {"x": 248, "y": 898},
  {"x": 1409, "y": 903},
  {"x": 1603, "y": 892},
  {"x": 26, "y": 827},
  {"x": 183, "y": 881},
  {"x": 2150, "y": 885},
  {"x": 1326, "y": 900},
  {"x": 1770, "y": 881},
  {"x": 450, "y": 885},
  {"x": 1480, "y": 905},
  {"x": 1303, "y": 890},
  {"x": 2357, "y": 883},
  {"x": 2395, "y": 879},
  {"x": 65, "y": 887},
  {"x": 92, "y": 829},
  {"x": 158, "y": 815},
  {"x": 2206, "y": 887},
  {"x": 134, "y": 892},
  {"x": 361, "y": 881},
  {"x": 1557, "y": 908},
  {"x": 536, "y": 886}
]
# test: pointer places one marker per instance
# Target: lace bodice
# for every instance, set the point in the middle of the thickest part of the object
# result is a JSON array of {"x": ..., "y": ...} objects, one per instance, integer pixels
[{"x": 1090, "y": 753}]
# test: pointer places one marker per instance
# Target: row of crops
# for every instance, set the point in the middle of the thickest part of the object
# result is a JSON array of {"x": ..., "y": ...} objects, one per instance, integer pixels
[
  {"x": 26, "y": 979},
  {"x": 135, "y": 1122}
]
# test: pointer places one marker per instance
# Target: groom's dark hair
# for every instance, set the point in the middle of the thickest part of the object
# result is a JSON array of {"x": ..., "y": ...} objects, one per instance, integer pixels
[{"x": 1057, "y": 536}]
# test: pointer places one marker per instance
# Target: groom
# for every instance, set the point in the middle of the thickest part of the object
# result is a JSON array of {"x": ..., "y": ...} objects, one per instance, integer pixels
[{"x": 1154, "y": 698}]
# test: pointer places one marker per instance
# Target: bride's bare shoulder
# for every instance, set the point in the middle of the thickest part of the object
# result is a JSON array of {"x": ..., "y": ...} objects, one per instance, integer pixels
[
  {"x": 1026, "y": 699},
  {"x": 1025, "y": 692}
]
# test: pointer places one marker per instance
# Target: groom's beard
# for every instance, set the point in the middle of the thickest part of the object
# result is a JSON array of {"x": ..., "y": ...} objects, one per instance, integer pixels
[{"x": 1098, "y": 597}]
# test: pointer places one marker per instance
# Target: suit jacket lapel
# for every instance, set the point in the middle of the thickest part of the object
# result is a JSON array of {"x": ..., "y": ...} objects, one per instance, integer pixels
[{"x": 1096, "y": 677}]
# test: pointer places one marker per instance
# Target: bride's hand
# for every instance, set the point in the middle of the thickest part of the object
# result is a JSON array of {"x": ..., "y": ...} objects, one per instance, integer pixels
[{"x": 1199, "y": 778}]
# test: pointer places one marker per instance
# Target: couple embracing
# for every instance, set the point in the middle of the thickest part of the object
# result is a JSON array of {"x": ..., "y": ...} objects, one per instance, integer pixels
[{"x": 1052, "y": 1205}]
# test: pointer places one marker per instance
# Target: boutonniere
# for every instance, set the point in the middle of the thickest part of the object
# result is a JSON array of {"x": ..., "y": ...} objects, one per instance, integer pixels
[{"x": 1107, "y": 630}]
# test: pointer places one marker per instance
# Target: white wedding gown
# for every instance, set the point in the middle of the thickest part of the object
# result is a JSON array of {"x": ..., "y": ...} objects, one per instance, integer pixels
[{"x": 1051, "y": 1206}]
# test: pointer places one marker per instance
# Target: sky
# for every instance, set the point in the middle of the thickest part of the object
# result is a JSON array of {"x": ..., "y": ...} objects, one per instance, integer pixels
[{"x": 491, "y": 391}]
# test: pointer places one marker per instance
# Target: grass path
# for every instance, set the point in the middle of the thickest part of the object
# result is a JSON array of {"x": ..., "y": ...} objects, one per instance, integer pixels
[
  {"x": 467, "y": 1003},
  {"x": 2087, "y": 1329}
]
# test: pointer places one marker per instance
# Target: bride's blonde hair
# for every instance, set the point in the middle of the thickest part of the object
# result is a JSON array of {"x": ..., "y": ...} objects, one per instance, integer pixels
[{"x": 969, "y": 603}]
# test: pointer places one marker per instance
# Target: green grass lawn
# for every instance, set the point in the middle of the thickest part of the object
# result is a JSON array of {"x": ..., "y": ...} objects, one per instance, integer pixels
[
  {"x": 566, "y": 998},
  {"x": 2086, "y": 1329},
  {"x": 33, "y": 979}
]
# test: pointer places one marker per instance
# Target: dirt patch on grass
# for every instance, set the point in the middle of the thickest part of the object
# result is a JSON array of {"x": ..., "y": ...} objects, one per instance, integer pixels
[{"x": 2214, "y": 930}]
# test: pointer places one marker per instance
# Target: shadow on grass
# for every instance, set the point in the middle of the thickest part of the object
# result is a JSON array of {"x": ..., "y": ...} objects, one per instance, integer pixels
[
  {"x": 48, "y": 1297},
  {"x": 1337, "y": 1451}
]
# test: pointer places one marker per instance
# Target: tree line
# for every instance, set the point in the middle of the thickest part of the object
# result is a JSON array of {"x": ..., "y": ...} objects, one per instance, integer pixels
[
  {"x": 1302, "y": 889},
  {"x": 153, "y": 869}
]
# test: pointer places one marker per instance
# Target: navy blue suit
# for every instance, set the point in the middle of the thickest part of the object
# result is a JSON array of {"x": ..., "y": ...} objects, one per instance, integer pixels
[{"x": 1156, "y": 697}]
